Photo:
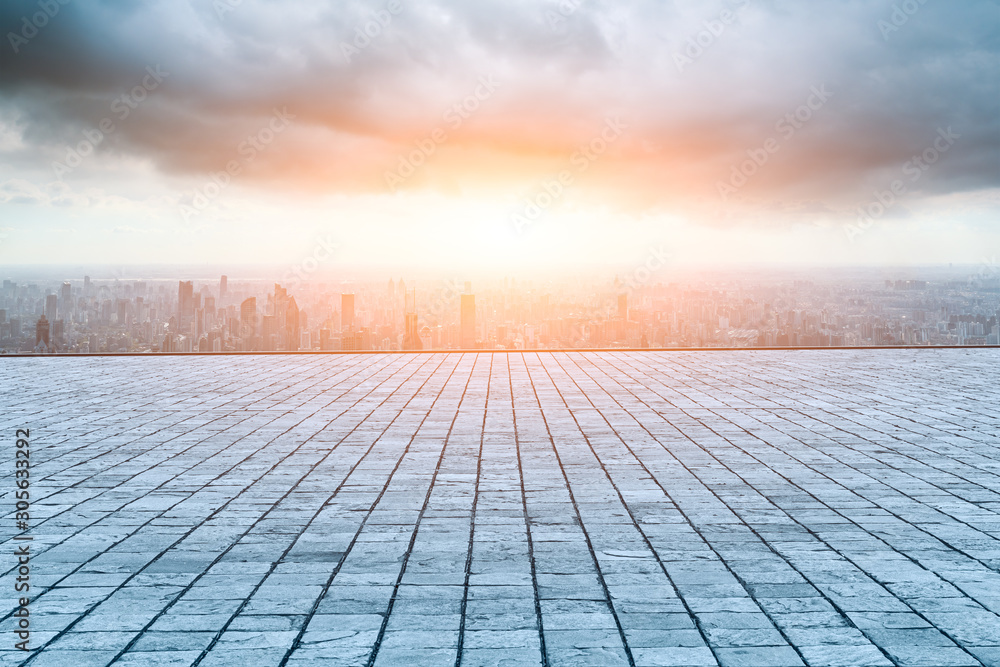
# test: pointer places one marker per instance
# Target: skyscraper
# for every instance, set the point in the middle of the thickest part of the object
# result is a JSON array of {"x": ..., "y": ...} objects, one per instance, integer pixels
[
  {"x": 57, "y": 334},
  {"x": 411, "y": 337},
  {"x": 51, "y": 307},
  {"x": 66, "y": 299},
  {"x": 325, "y": 340},
  {"x": 293, "y": 333},
  {"x": 223, "y": 288},
  {"x": 248, "y": 318},
  {"x": 42, "y": 332},
  {"x": 468, "y": 321},
  {"x": 185, "y": 305},
  {"x": 347, "y": 311}
]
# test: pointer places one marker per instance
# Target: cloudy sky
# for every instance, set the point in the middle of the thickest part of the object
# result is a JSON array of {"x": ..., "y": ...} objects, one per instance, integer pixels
[{"x": 503, "y": 135}]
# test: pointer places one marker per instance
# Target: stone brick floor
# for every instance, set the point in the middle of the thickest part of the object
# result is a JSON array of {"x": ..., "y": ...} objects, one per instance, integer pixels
[{"x": 623, "y": 508}]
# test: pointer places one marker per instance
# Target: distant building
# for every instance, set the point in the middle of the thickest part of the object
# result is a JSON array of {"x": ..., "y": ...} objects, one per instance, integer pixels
[
  {"x": 269, "y": 333},
  {"x": 411, "y": 335},
  {"x": 248, "y": 318},
  {"x": 185, "y": 305},
  {"x": 292, "y": 328},
  {"x": 411, "y": 339},
  {"x": 66, "y": 299},
  {"x": 468, "y": 322},
  {"x": 325, "y": 340},
  {"x": 57, "y": 333},
  {"x": 51, "y": 307},
  {"x": 347, "y": 312},
  {"x": 623, "y": 306},
  {"x": 223, "y": 287},
  {"x": 42, "y": 334}
]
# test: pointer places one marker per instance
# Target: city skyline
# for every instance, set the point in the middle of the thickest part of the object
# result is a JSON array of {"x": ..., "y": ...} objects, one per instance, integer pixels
[{"x": 637, "y": 311}]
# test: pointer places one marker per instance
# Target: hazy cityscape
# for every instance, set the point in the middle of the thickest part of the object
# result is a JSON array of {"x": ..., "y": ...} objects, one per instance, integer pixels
[{"x": 84, "y": 315}]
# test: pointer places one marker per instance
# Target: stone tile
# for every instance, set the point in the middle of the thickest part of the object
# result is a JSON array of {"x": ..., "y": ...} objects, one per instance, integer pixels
[{"x": 706, "y": 505}]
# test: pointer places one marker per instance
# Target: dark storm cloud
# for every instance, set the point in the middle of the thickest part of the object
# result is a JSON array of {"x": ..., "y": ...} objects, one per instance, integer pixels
[{"x": 698, "y": 92}]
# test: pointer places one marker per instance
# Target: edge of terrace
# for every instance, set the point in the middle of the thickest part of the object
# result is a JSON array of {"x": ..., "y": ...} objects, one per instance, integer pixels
[{"x": 480, "y": 351}]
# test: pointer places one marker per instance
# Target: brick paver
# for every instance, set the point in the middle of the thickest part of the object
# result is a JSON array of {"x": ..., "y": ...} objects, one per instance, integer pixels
[{"x": 773, "y": 508}]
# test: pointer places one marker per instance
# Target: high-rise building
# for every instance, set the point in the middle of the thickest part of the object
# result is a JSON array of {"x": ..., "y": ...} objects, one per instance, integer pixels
[
  {"x": 623, "y": 306},
  {"x": 293, "y": 333},
  {"x": 223, "y": 288},
  {"x": 86, "y": 286},
  {"x": 185, "y": 305},
  {"x": 248, "y": 318},
  {"x": 347, "y": 312},
  {"x": 411, "y": 337},
  {"x": 42, "y": 332},
  {"x": 57, "y": 334},
  {"x": 66, "y": 299},
  {"x": 468, "y": 321},
  {"x": 51, "y": 307},
  {"x": 269, "y": 333}
]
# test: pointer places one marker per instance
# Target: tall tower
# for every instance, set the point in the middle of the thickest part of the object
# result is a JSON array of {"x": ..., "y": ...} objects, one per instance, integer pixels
[
  {"x": 347, "y": 311},
  {"x": 293, "y": 331},
  {"x": 185, "y": 305},
  {"x": 42, "y": 332},
  {"x": 411, "y": 339},
  {"x": 468, "y": 320},
  {"x": 248, "y": 318},
  {"x": 66, "y": 299},
  {"x": 51, "y": 306},
  {"x": 223, "y": 288}
]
